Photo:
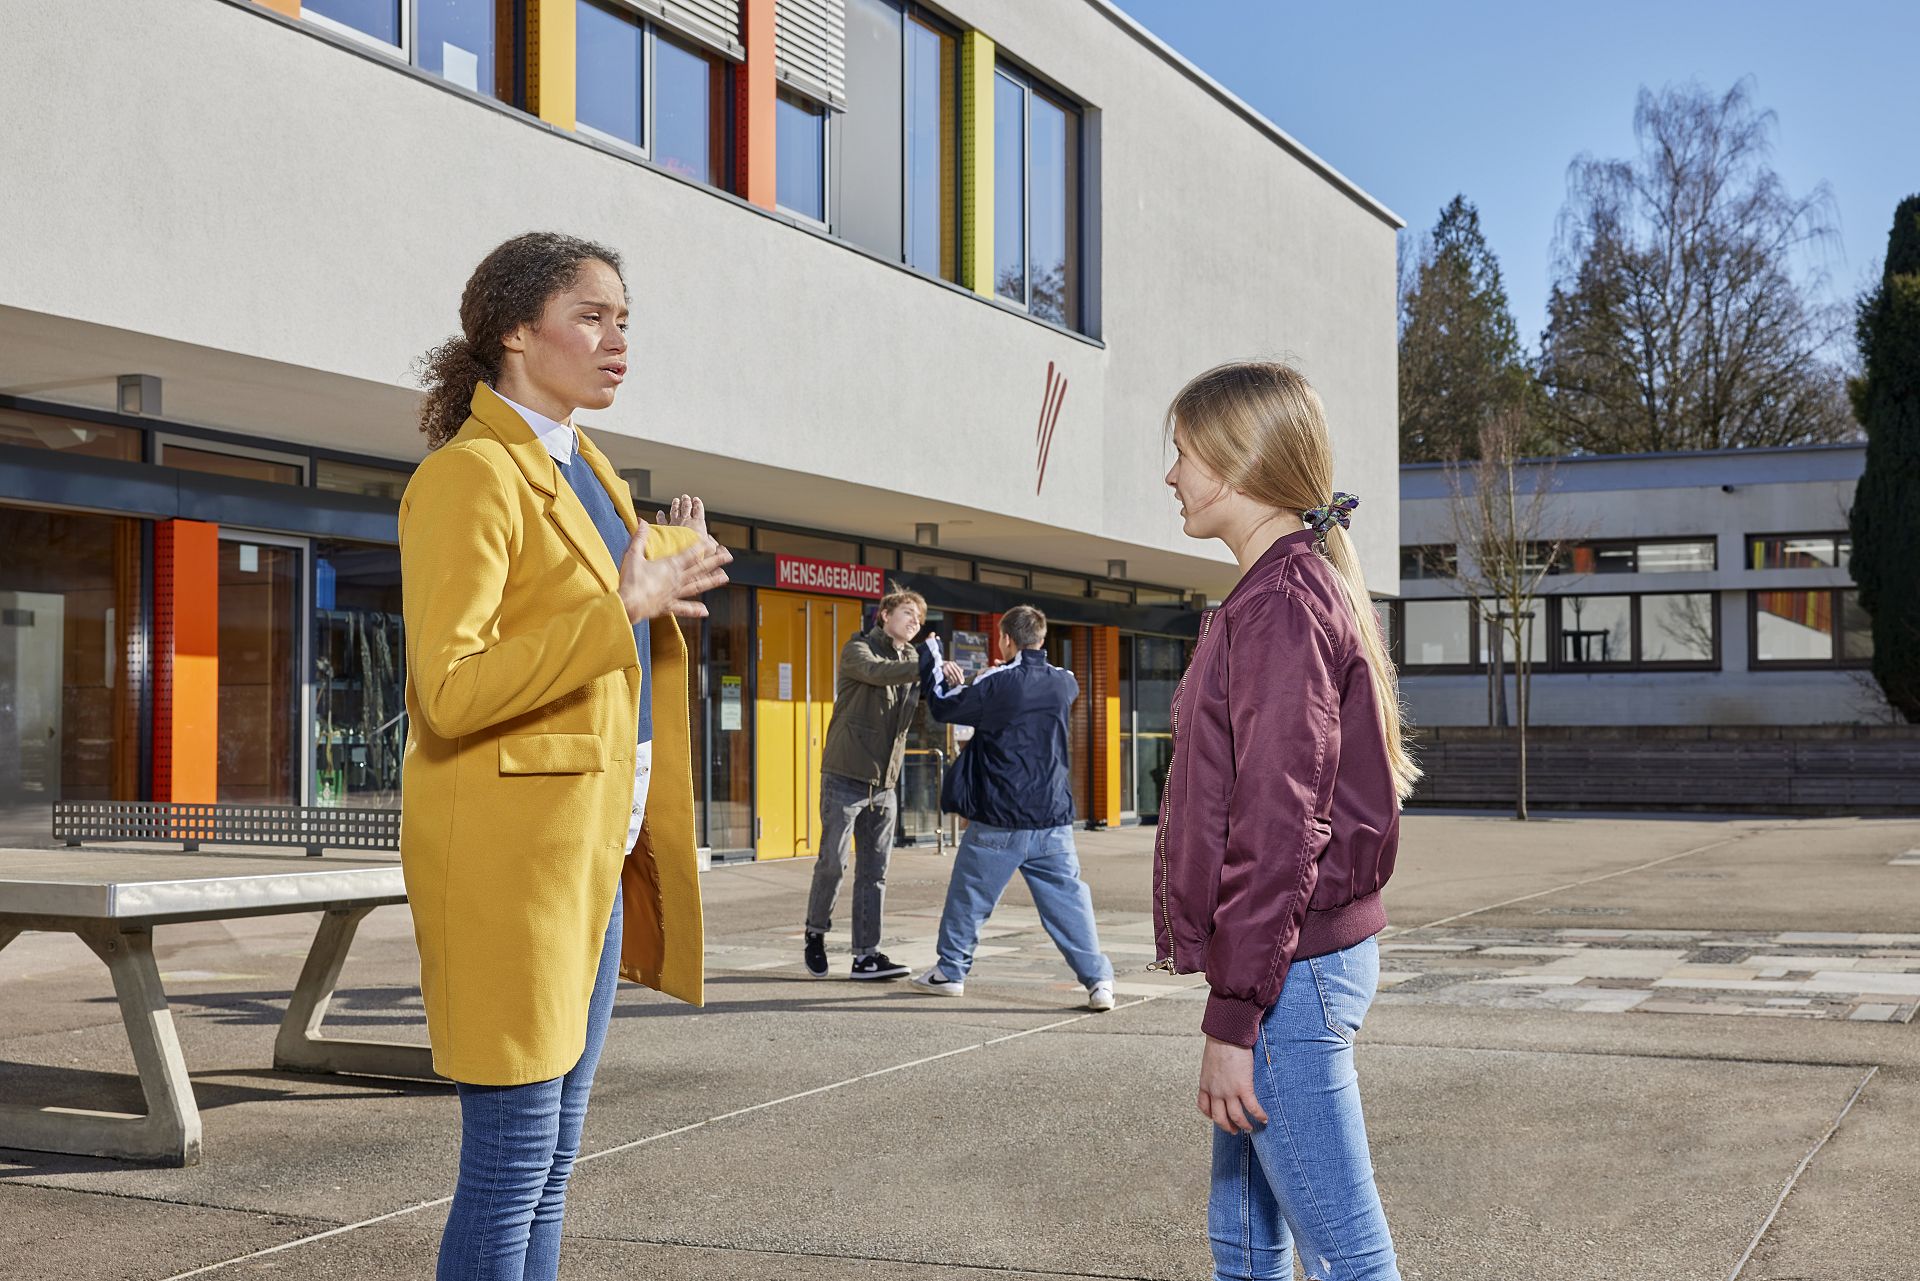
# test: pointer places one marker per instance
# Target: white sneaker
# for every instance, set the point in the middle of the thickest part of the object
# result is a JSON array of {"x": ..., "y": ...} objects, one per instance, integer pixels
[
  {"x": 938, "y": 984},
  {"x": 1100, "y": 996}
]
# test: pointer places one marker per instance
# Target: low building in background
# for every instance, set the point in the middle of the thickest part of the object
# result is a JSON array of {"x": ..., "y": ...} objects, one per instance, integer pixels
[
  {"x": 1698, "y": 642},
  {"x": 912, "y": 286},
  {"x": 1694, "y": 589}
]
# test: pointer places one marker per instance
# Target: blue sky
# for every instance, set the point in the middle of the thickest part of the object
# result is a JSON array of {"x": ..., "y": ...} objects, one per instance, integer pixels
[{"x": 1493, "y": 98}]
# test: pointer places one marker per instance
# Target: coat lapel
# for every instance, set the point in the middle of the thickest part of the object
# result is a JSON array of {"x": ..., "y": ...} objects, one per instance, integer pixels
[{"x": 563, "y": 509}]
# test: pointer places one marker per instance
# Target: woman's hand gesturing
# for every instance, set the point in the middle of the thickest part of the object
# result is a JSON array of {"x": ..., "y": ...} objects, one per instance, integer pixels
[
  {"x": 687, "y": 512},
  {"x": 652, "y": 588}
]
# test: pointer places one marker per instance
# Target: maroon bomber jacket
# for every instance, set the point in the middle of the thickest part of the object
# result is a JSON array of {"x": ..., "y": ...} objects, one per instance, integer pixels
[{"x": 1279, "y": 819}]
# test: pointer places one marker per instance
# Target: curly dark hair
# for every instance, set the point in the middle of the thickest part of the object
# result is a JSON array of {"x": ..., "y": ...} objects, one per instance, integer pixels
[{"x": 509, "y": 288}]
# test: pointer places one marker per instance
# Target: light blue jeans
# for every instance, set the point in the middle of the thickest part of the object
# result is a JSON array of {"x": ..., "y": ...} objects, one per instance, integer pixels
[
  {"x": 1305, "y": 1180},
  {"x": 517, "y": 1148},
  {"x": 987, "y": 859}
]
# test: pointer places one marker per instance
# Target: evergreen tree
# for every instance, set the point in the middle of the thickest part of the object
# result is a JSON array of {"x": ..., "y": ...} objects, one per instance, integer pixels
[
  {"x": 1461, "y": 365},
  {"x": 1886, "y": 506}
]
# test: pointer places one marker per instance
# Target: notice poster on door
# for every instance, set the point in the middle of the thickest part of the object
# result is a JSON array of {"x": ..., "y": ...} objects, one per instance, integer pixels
[
  {"x": 786, "y": 682},
  {"x": 731, "y": 689}
]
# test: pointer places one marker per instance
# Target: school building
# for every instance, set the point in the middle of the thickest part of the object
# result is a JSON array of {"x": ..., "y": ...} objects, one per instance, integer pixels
[
  {"x": 1701, "y": 588},
  {"x": 912, "y": 286}
]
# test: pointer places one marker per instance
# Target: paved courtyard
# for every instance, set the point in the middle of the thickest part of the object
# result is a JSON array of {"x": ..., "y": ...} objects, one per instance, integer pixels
[{"x": 1603, "y": 1048}]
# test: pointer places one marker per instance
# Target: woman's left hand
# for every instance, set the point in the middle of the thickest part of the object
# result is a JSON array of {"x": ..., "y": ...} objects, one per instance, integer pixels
[
  {"x": 1226, "y": 1088},
  {"x": 688, "y": 513}
]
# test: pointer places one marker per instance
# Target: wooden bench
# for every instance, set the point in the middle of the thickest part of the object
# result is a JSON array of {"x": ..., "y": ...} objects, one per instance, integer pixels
[{"x": 113, "y": 899}]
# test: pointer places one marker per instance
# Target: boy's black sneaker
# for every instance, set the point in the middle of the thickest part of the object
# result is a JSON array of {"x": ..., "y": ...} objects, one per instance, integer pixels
[
  {"x": 875, "y": 965},
  {"x": 816, "y": 954}
]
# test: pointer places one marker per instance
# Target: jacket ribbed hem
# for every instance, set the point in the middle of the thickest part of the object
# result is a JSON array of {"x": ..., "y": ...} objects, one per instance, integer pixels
[
  {"x": 1237, "y": 1021},
  {"x": 1341, "y": 927}
]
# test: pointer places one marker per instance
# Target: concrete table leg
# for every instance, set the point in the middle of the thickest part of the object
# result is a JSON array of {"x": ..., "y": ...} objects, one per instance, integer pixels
[
  {"x": 300, "y": 1047},
  {"x": 169, "y": 1134}
]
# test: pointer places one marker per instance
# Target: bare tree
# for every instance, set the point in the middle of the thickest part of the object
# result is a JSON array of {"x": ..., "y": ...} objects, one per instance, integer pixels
[
  {"x": 1505, "y": 546},
  {"x": 1688, "y": 310}
]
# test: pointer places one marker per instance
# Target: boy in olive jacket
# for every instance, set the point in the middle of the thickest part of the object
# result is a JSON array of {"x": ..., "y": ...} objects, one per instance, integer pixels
[{"x": 873, "y": 705}]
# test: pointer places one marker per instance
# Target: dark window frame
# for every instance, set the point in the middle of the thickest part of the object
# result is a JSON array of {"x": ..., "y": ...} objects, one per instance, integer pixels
[
  {"x": 1436, "y": 561},
  {"x": 1635, "y": 546},
  {"x": 509, "y": 53},
  {"x": 646, "y": 150},
  {"x": 1037, "y": 85},
  {"x": 1553, "y": 663},
  {"x": 1839, "y": 661},
  {"x": 1839, "y": 538}
]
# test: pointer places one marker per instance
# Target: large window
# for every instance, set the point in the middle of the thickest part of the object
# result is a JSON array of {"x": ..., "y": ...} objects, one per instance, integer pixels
[
  {"x": 259, "y": 742},
  {"x": 1150, "y": 668},
  {"x": 899, "y": 137},
  {"x": 69, "y": 436},
  {"x": 690, "y": 105},
  {"x": 1036, "y": 200},
  {"x": 1428, "y": 560},
  {"x": 800, "y": 156},
  {"x": 1596, "y": 631},
  {"x": 358, "y": 666},
  {"x": 1568, "y": 633},
  {"x": 1821, "y": 628},
  {"x": 1655, "y": 556},
  {"x": 467, "y": 42},
  {"x": 1799, "y": 551},
  {"x": 71, "y": 672},
  {"x": 1436, "y": 633},
  {"x": 357, "y": 478},
  {"x": 649, "y": 92}
]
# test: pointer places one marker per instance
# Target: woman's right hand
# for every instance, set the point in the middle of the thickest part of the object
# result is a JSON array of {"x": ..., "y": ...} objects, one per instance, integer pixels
[{"x": 651, "y": 588}]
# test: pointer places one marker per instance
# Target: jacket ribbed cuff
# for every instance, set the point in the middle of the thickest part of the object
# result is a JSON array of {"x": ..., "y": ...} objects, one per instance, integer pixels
[{"x": 1232, "y": 1020}]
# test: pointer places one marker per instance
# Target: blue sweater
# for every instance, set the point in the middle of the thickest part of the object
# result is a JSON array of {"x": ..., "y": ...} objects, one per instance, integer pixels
[{"x": 606, "y": 519}]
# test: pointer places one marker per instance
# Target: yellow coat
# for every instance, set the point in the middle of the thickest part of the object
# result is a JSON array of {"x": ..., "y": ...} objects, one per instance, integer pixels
[{"x": 523, "y": 700}]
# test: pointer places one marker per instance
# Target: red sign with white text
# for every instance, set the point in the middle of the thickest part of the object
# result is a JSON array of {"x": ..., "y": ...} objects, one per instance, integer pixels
[{"x": 802, "y": 574}]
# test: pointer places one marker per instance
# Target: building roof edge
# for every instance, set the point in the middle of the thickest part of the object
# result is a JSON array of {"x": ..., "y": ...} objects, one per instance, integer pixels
[{"x": 1132, "y": 26}]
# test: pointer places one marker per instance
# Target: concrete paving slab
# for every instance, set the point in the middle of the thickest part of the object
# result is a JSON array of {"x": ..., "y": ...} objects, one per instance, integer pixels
[
  {"x": 406, "y": 1251},
  {"x": 1820, "y": 877},
  {"x": 1589, "y": 1147},
  {"x": 46, "y": 1233},
  {"x": 1508, "y": 1138},
  {"x": 1850, "y": 1214}
]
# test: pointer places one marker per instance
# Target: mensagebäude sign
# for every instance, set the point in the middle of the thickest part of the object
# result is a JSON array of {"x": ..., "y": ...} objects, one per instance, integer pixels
[{"x": 837, "y": 577}]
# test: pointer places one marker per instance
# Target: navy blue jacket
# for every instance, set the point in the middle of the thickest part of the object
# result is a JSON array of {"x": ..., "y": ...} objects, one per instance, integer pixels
[{"x": 1013, "y": 772}]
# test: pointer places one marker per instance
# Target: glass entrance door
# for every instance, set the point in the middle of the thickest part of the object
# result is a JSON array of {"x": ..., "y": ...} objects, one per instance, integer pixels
[
  {"x": 260, "y": 664},
  {"x": 800, "y": 641}
]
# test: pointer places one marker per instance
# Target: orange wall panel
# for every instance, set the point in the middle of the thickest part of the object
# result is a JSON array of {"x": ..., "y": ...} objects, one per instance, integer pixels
[
  {"x": 754, "y": 109},
  {"x": 186, "y": 643}
]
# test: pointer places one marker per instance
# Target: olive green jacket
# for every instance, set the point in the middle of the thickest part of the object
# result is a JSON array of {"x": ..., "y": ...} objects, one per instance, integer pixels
[{"x": 873, "y": 700}]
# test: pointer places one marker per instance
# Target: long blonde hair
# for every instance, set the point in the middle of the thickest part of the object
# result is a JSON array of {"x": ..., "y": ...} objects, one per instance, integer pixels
[{"x": 1259, "y": 426}]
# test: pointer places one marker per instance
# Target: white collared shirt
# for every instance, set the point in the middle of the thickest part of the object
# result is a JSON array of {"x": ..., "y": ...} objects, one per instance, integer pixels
[{"x": 557, "y": 437}]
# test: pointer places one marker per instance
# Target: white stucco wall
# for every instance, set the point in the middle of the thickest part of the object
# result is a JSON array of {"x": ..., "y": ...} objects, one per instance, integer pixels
[{"x": 280, "y": 226}]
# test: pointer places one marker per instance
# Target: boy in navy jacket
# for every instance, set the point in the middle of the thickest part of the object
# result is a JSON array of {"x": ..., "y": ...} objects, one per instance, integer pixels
[{"x": 1012, "y": 785}]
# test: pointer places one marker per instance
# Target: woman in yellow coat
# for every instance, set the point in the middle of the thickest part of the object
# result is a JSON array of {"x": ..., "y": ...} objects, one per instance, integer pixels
[{"x": 547, "y": 765}]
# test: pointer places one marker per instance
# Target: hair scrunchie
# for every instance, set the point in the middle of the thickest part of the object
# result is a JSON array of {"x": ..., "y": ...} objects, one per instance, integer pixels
[{"x": 1337, "y": 512}]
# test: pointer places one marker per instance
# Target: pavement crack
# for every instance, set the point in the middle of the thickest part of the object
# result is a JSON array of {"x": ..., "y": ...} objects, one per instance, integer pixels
[
  {"x": 1766, "y": 1225},
  {"x": 751, "y": 1109},
  {"x": 1023, "y": 1270}
]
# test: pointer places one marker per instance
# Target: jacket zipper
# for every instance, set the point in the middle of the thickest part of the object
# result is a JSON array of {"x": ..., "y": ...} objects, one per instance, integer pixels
[{"x": 1166, "y": 807}]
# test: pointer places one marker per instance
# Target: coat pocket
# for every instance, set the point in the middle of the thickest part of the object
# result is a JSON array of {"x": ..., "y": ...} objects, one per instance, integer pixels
[{"x": 553, "y": 754}]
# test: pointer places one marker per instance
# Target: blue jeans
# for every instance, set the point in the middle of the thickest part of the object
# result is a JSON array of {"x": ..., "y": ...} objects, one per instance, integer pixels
[
  {"x": 987, "y": 859},
  {"x": 1304, "y": 1179},
  {"x": 517, "y": 1147}
]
